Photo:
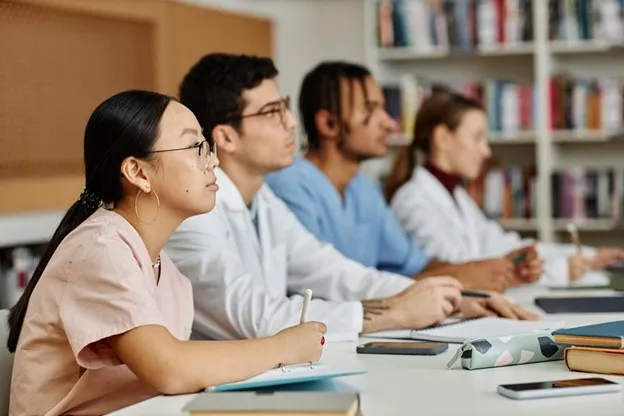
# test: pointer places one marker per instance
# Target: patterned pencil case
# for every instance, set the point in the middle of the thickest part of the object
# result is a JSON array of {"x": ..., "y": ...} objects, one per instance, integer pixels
[{"x": 534, "y": 347}]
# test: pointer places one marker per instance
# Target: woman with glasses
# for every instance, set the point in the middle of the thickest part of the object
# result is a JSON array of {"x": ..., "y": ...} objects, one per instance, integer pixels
[{"x": 105, "y": 320}]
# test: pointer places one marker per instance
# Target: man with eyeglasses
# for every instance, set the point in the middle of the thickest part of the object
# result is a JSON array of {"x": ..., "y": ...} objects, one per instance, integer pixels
[{"x": 250, "y": 258}]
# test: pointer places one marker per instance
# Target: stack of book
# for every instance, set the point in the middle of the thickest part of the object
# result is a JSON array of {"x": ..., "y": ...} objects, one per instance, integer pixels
[
  {"x": 581, "y": 20},
  {"x": 505, "y": 193},
  {"x": 583, "y": 193},
  {"x": 593, "y": 348},
  {"x": 577, "y": 105},
  {"x": 586, "y": 104},
  {"x": 509, "y": 105},
  {"x": 440, "y": 25},
  {"x": 578, "y": 193}
]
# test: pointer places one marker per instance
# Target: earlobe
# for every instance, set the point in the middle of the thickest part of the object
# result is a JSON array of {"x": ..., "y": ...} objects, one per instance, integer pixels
[
  {"x": 134, "y": 172},
  {"x": 226, "y": 138},
  {"x": 220, "y": 136},
  {"x": 326, "y": 124},
  {"x": 440, "y": 136}
]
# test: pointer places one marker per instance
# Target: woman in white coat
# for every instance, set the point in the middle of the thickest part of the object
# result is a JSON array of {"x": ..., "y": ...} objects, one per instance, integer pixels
[{"x": 433, "y": 206}]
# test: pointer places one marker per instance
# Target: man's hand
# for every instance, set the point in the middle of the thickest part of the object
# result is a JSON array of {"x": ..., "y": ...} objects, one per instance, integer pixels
[
  {"x": 491, "y": 275},
  {"x": 529, "y": 268},
  {"x": 426, "y": 302},
  {"x": 496, "y": 305}
]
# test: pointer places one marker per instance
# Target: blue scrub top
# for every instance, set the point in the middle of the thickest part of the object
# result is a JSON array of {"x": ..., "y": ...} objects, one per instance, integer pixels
[{"x": 362, "y": 226}]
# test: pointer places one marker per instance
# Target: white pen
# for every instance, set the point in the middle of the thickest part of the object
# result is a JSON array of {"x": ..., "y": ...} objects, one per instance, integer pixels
[
  {"x": 574, "y": 236},
  {"x": 307, "y": 295}
]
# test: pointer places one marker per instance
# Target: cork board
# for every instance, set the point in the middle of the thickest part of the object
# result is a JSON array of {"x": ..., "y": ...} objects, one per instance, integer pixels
[
  {"x": 60, "y": 58},
  {"x": 193, "y": 32},
  {"x": 56, "y": 68}
]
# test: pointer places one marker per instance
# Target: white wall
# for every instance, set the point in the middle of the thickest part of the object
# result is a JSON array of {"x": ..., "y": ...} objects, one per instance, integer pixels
[{"x": 306, "y": 32}]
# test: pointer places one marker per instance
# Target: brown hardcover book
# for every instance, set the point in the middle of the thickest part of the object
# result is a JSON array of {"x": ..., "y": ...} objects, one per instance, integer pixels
[{"x": 595, "y": 360}]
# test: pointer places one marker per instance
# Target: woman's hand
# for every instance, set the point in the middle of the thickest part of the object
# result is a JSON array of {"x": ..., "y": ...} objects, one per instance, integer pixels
[
  {"x": 578, "y": 265},
  {"x": 606, "y": 256},
  {"x": 301, "y": 343}
]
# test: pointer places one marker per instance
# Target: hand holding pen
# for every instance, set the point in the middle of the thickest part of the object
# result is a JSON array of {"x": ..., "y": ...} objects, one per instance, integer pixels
[
  {"x": 578, "y": 264},
  {"x": 529, "y": 267},
  {"x": 302, "y": 343}
]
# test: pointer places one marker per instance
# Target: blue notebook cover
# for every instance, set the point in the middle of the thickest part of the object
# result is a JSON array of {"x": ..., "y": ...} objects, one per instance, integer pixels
[
  {"x": 288, "y": 375},
  {"x": 613, "y": 329}
]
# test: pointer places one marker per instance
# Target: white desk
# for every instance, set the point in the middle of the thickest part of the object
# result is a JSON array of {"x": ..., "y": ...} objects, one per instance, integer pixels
[{"x": 412, "y": 385}]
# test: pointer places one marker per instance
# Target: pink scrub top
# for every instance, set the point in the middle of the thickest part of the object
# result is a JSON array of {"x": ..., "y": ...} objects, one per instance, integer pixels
[{"x": 99, "y": 283}]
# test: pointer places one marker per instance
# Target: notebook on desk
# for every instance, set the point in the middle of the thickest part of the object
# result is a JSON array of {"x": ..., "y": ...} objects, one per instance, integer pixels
[
  {"x": 582, "y": 303},
  {"x": 457, "y": 331},
  {"x": 291, "y": 374}
]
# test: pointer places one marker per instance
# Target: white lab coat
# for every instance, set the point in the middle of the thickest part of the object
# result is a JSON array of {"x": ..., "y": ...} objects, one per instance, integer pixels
[
  {"x": 246, "y": 287},
  {"x": 456, "y": 230}
]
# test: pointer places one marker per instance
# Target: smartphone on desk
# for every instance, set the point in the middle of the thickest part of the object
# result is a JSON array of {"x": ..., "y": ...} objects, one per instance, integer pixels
[
  {"x": 403, "y": 348},
  {"x": 559, "y": 388}
]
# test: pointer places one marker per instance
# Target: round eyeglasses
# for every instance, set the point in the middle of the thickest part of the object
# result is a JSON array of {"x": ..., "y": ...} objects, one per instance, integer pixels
[
  {"x": 279, "y": 107},
  {"x": 204, "y": 148}
]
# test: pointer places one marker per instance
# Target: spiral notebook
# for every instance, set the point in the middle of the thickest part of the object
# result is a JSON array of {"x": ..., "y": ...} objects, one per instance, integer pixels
[
  {"x": 291, "y": 374},
  {"x": 457, "y": 331}
]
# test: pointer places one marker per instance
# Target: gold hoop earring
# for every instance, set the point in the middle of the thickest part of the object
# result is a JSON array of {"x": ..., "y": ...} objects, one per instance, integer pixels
[{"x": 136, "y": 207}]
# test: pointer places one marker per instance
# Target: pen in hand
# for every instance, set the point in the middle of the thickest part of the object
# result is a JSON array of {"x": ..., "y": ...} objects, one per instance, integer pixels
[
  {"x": 307, "y": 295},
  {"x": 574, "y": 236},
  {"x": 474, "y": 294}
]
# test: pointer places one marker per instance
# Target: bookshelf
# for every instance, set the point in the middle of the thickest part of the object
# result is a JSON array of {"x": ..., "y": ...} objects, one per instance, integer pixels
[{"x": 552, "y": 41}]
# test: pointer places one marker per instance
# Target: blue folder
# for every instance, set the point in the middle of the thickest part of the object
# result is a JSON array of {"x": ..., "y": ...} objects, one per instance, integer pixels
[{"x": 288, "y": 375}]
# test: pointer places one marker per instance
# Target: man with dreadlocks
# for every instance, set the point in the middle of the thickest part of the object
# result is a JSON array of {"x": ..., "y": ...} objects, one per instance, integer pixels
[
  {"x": 342, "y": 109},
  {"x": 250, "y": 258}
]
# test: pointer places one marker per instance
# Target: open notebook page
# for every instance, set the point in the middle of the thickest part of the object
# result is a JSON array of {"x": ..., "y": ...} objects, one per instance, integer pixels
[
  {"x": 482, "y": 328},
  {"x": 455, "y": 330}
]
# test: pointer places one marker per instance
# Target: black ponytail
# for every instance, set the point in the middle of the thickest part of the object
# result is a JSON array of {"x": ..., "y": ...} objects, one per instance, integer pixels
[{"x": 124, "y": 125}]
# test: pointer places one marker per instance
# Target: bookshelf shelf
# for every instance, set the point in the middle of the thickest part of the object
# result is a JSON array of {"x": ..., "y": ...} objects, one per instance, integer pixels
[
  {"x": 585, "y": 136},
  {"x": 603, "y": 224},
  {"x": 581, "y": 46},
  {"x": 560, "y": 225},
  {"x": 509, "y": 49},
  {"x": 525, "y": 79},
  {"x": 495, "y": 139},
  {"x": 408, "y": 53},
  {"x": 413, "y": 54},
  {"x": 521, "y": 137},
  {"x": 520, "y": 224}
]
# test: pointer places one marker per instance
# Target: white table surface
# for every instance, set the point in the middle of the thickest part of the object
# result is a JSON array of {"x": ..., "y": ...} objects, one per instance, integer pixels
[{"x": 420, "y": 385}]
